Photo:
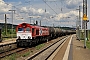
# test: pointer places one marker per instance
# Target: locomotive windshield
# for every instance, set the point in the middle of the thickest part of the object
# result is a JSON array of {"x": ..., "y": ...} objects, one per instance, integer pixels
[
  {"x": 20, "y": 29},
  {"x": 27, "y": 29}
]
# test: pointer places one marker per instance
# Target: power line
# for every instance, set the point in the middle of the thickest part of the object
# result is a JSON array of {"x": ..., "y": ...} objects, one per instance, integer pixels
[
  {"x": 50, "y": 7},
  {"x": 58, "y": 6}
]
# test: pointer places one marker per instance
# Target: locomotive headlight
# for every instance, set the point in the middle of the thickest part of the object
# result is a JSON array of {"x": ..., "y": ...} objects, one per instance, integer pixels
[{"x": 29, "y": 37}]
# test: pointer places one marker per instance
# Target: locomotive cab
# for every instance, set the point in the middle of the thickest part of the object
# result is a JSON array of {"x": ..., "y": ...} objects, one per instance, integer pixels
[{"x": 24, "y": 32}]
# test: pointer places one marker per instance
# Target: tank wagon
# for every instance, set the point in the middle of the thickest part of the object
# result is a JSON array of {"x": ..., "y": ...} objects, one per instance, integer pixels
[{"x": 28, "y": 35}]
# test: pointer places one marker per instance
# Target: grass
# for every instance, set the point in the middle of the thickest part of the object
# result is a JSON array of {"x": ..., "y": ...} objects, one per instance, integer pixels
[
  {"x": 88, "y": 44},
  {"x": 15, "y": 56},
  {"x": 11, "y": 57},
  {"x": 8, "y": 36},
  {"x": 39, "y": 46},
  {"x": 26, "y": 54}
]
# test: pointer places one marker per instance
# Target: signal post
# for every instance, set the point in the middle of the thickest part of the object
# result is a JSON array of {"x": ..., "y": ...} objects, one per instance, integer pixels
[{"x": 85, "y": 19}]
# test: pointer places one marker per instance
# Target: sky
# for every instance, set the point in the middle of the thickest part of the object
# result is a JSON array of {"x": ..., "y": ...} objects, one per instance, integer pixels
[{"x": 62, "y": 13}]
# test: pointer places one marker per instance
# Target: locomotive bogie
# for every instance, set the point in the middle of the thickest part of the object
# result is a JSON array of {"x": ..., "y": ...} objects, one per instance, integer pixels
[{"x": 23, "y": 42}]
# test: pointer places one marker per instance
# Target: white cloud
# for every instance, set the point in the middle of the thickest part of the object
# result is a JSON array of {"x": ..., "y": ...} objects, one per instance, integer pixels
[
  {"x": 37, "y": 11},
  {"x": 1, "y": 20},
  {"x": 70, "y": 4},
  {"x": 4, "y": 7},
  {"x": 66, "y": 15},
  {"x": 24, "y": 9},
  {"x": 33, "y": 11},
  {"x": 73, "y": 3},
  {"x": 40, "y": 11},
  {"x": 50, "y": 0}
]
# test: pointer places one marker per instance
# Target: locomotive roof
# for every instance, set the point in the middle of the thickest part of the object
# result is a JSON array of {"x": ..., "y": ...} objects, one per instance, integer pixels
[{"x": 31, "y": 25}]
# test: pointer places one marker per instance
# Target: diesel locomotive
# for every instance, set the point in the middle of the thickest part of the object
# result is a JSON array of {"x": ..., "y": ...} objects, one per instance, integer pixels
[{"x": 28, "y": 35}]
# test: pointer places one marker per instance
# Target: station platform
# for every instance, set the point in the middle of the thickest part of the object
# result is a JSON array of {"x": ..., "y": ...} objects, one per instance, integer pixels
[
  {"x": 73, "y": 49},
  {"x": 78, "y": 50}
]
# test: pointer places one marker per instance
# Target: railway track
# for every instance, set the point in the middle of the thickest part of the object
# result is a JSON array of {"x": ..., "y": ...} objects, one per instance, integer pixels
[
  {"x": 13, "y": 50},
  {"x": 9, "y": 52},
  {"x": 7, "y": 47},
  {"x": 48, "y": 51}
]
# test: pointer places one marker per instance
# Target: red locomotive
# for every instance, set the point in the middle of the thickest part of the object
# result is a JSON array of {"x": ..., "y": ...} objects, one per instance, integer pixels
[{"x": 28, "y": 35}]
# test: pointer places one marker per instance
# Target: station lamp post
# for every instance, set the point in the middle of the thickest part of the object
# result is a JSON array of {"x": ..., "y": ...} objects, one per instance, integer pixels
[
  {"x": 30, "y": 18},
  {"x": 12, "y": 20},
  {"x": 6, "y": 24},
  {"x": 33, "y": 17},
  {"x": 79, "y": 24},
  {"x": 40, "y": 20}
]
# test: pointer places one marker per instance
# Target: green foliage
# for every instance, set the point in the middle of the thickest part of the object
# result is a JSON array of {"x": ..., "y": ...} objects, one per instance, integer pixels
[
  {"x": 82, "y": 35},
  {"x": 39, "y": 46},
  {"x": 9, "y": 33},
  {"x": 26, "y": 54},
  {"x": 11, "y": 57},
  {"x": 88, "y": 44},
  {"x": 89, "y": 34}
]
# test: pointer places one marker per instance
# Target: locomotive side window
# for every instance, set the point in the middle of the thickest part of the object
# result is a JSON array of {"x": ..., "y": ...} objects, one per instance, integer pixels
[
  {"x": 37, "y": 32},
  {"x": 20, "y": 29},
  {"x": 32, "y": 30},
  {"x": 27, "y": 29}
]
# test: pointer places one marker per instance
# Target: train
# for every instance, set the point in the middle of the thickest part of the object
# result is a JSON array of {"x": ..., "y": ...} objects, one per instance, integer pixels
[{"x": 28, "y": 35}]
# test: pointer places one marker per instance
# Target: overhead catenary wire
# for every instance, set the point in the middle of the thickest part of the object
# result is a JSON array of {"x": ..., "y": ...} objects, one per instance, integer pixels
[
  {"x": 50, "y": 6},
  {"x": 58, "y": 6}
]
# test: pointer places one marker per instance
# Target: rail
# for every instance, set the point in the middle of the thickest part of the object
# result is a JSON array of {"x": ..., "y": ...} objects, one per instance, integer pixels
[{"x": 50, "y": 52}]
